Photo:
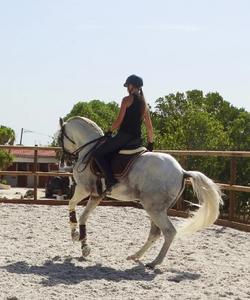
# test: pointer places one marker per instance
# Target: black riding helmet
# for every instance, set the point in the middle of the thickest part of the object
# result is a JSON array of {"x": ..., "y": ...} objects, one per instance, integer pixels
[{"x": 136, "y": 81}]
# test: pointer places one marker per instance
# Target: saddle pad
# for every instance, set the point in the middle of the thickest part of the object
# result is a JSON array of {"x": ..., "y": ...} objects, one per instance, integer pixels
[
  {"x": 132, "y": 151},
  {"x": 120, "y": 164}
]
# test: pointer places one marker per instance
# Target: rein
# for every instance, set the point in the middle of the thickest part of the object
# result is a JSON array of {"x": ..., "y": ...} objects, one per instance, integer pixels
[{"x": 79, "y": 149}]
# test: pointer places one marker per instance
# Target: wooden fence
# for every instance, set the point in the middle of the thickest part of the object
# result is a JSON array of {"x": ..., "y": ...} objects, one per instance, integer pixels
[{"x": 226, "y": 219}]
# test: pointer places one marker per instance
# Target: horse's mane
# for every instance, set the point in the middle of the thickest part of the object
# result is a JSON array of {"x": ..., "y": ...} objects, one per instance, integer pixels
[{"x": 89, "y": 122}]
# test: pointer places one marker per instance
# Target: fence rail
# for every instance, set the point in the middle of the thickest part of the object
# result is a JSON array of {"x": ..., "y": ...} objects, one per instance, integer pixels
[{"x": 231, "y": 186}]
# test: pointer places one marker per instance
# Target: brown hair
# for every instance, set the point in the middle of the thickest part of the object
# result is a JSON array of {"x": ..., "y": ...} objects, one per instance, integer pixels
[{"x": 144, "y": 104}]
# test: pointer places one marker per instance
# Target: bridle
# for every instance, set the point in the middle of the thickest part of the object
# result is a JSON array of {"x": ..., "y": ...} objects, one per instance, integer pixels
[
  {"x": 74, "y": 155},
  {"x": 61, "y": 142}
]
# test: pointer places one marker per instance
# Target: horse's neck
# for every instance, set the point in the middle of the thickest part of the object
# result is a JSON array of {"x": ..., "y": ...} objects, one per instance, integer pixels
[{"x": 84, "y": 135}]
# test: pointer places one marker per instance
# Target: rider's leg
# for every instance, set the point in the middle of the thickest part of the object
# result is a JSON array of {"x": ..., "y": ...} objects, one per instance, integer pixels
[
  {"x": 112, "y": 145},
  {"x": 104, "y": 164}
]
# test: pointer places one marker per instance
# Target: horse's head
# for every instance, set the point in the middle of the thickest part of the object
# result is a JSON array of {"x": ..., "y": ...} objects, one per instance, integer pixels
[
  {"x": 77, "y": 132},
  {"x": 66, "y": 138}
]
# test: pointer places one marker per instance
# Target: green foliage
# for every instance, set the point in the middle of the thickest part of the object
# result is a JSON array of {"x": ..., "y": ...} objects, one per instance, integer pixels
[
  {"x": 6, "y": 159},
  {"x": 189, "y": 121},
  {"x": 7, "y": 136},
  {"x": 103, "y": 114},
  {"x": 192, "y": 121},
  {"x": 186, "y": 121}
]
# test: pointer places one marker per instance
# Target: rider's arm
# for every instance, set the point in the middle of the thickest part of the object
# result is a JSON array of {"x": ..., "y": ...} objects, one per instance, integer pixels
[
  {"x": 121, "y": 115},
  {"x": 149, "y": 126}
]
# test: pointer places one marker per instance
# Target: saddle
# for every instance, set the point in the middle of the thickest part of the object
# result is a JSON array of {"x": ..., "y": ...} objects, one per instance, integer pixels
[{"x": 121, "y": 161}]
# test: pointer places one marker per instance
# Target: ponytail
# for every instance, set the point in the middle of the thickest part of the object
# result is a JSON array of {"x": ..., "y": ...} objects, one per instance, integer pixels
[
  {"x": 140, "y": 95},
  {"x": 144, "y": 104}
]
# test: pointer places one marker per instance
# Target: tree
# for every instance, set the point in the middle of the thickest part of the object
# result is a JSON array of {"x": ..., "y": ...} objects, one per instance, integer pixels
[
  {"x": 7, "y": 136},
  {"x": 183, "y": 122},
  {"x": 189, "y": 121},
  {"x": 6, "y": 159},
  {"x": 103, "y": 114},
  {"x": 196, "y": 121},
  {"x": 192, "y": 121}
]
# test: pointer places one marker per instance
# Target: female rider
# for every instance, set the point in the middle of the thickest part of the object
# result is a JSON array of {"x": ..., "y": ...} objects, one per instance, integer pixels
[{"x": 132, "y": 112}]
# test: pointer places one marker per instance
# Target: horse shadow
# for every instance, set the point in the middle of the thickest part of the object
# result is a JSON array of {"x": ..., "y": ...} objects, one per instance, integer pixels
[
  {"x": 64, "y": 271},
  {"x": 57, "y": 271},
  {"x": 182, "y": 275}
]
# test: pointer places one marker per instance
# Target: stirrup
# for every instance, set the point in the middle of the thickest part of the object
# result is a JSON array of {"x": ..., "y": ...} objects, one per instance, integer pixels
[
  {"x": 108, "y": 190},
  {"x": 109, "y": 187}
]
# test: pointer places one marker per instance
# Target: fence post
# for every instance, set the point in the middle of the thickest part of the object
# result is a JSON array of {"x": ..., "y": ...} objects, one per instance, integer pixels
[
  {"x": 180, "y": 202},
  {"x": 233, "y": 175},
  {"x": 35, "y": 175}
]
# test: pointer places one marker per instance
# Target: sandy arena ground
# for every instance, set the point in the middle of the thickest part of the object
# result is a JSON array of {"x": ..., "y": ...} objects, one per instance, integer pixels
[{"x": 39, "y": 261}]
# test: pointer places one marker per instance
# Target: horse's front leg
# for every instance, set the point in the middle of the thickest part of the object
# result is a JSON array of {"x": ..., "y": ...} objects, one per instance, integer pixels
[
  {"x": 79, "y": 194},
  {"x": 91, "y": 205}
]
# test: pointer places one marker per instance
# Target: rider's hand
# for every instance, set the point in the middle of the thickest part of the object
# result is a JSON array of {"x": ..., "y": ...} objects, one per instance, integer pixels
[
  {"x": 150, "y": 147},
  {"x": 108, "y": 133}
]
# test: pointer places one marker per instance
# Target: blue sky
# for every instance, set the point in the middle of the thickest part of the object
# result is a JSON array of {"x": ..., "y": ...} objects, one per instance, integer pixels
[{"x": 55, "y": 53}]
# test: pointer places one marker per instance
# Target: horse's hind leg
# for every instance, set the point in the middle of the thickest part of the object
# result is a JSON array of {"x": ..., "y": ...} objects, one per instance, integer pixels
[
  {"x": 154, "y": 234},
  {"x": 163, "y": 222},
  {"x": 91, "y": 205},
  {"x": 79, "y": 195}
]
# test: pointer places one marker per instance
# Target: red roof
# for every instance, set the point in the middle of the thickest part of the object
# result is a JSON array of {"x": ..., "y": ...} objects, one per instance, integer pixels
[{"x": 30, "y": 153}]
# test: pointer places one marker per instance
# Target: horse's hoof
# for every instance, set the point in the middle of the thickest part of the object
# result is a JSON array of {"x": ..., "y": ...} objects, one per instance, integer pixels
[
  {"x": 132, "y": 257},
  {"x": 150, "y": 266},
  {"x": 85, "y": 251},
  {"x": 75, "y": 236}
]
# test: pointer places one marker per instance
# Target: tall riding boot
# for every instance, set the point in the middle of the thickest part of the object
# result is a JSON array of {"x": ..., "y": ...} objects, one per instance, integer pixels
[{"x": 106, "y": 169}]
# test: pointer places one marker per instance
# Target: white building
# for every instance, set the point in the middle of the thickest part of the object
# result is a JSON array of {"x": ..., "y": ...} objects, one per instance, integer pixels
[{"x": 24, "y": 161}]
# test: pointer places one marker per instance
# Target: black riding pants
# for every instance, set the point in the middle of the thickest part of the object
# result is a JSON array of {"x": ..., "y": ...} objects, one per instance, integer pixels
[{"x": 103, "y": 153}]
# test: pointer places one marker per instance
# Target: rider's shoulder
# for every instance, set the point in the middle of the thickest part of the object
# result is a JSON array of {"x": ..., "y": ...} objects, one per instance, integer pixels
[{"x": 126, "y": 100}]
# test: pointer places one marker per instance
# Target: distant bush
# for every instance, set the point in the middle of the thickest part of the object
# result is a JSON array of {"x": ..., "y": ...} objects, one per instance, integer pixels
[{"x": 6, "y": 159}]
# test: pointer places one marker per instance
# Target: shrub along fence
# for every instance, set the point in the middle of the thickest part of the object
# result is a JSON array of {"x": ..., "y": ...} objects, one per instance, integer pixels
[{"x": 235, "y": 213}]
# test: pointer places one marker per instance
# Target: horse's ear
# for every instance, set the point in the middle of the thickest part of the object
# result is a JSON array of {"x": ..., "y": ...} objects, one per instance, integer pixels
[{"x": 61, "y": 122}]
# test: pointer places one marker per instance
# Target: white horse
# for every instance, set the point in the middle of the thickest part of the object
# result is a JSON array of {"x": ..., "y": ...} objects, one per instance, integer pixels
[{"x": 155, "y": 179}]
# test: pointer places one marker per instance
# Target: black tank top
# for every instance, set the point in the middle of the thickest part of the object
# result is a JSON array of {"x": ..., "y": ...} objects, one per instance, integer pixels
[{"x": 132, "y": 120}]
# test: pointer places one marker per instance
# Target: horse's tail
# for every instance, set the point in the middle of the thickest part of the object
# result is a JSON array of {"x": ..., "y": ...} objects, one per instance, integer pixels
[{"x": 209, "y": 196}]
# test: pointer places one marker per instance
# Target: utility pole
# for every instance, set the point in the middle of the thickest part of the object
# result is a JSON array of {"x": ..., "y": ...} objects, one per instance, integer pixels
[
  {"x": 23, "y": 130},
  {"x": 21, "y": 138}
]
